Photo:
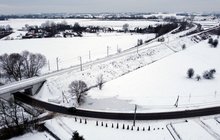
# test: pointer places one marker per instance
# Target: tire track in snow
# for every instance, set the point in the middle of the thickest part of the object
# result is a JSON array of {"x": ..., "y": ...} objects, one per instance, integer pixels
[{"x": 208, "y": 129}]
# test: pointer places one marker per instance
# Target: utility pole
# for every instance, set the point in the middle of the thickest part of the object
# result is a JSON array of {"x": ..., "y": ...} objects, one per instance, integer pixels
[
  {"x": 189, "y": 97},
  {"x": 57, "y": 60},
  {"x": 107, "y": 51},
  {"x": 80, "y": 59},
  {"x": 48, "y": 63},
  {"x": 176, "y": 104},
  {"x": 89, "y": 55},
  {"x": 135, "y": 110}
]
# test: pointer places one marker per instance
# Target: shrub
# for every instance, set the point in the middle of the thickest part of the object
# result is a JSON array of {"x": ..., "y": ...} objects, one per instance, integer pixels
[
  {"x": 76, "y": 136},
  {"x": 213, "y": 71},
  {"x": 209, "y": 74},
  {"x": 100, "y": 81},
  {"x": 190, "y": 72},
  {"x": 210, "y": 41},
  {"x": 198, "y": 77},
  {"x": 119, "y": 50},
  {"x": 183, "y": 46},
  {"x": 215, "y": 43}
]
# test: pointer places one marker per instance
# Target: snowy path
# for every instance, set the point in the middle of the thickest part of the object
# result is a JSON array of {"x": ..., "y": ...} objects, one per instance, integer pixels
[
  {"x": 173, "y": 132},
  {"x": 208, "y": 129}
]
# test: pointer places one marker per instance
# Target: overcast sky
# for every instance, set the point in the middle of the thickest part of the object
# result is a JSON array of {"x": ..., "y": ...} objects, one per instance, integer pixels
[{"x": 96, "y": 6}]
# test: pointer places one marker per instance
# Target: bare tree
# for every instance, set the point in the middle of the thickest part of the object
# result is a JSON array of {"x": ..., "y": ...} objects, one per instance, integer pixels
[
  {"x": 19, "y": 66},
  {"x": 78, "y": 88},
  {"x": 13, "y": 119},
  {"x": 100, "y": 81},
  {"x": 33, "y": 63},
  {"x": 125, "y": 27},
  {"x": 12, "y": 66}
]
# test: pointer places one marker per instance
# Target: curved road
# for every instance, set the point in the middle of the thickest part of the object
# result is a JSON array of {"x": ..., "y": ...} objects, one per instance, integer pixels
[{"x": 117, "y": 116}]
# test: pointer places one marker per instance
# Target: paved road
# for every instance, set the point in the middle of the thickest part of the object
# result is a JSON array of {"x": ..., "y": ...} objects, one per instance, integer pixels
[{"x": 117, "y": 116}]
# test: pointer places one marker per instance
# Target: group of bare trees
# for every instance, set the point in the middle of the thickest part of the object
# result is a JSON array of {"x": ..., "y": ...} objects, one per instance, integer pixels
[
  {"x": 18, "y": 66},
  {"x": 13, "y": 119}
]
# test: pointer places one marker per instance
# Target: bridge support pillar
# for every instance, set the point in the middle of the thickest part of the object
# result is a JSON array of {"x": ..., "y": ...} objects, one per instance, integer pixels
[{"x": 34, "y": 89}]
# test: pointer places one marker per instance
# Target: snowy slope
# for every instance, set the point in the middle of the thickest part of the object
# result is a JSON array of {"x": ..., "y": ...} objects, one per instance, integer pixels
[{"x": 160, "y": 83}]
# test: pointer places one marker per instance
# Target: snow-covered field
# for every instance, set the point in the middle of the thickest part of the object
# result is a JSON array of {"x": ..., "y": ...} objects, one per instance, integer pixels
[
  {"x": 68, "y": 50},
  {"x": 208, "y": 23},
  {"x": 155, "y": 89},
  {"x": 153, "y": 80},
  {"x": 160, "y": 83}
]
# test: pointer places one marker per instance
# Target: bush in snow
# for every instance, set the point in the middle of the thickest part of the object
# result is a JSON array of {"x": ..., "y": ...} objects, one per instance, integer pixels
[
  {"x": 190, "y": 72},
  {"x": 76, "y": 136},
  {"x": 183, "y": 46},
  {"x": 78, "y": 88},
  {"x": 198, "y": 77},
  {"x": 139, "y": 42},
  {"x": 210, "y": 41},
  {"x": 118, "y": 50},
  {"x": 125, "y": 27},
  {"x": 215, "y": 43},
  {"x": 100, "y": 81},
  {"x": 209, "y": 74},
  {"x": 213, "y": 71}
]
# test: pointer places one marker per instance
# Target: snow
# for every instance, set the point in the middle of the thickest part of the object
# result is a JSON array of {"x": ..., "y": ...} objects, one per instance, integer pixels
[
  {"x": 152, "y": 79},
  {"x": 156, "y": 86},
  {"x": 68, "y": 50},
  {"x": 212, "y": 123},
  {"x": 19, "y": 23},
  {"x": 151, "y": 94},
  {"x": 63, "y": 127},
  {"x": 192, "y": 131},
  {"x": 116, "y": 92},
  {"x": 34, "y": 136},
  {"x": 15, "y": 35}
]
